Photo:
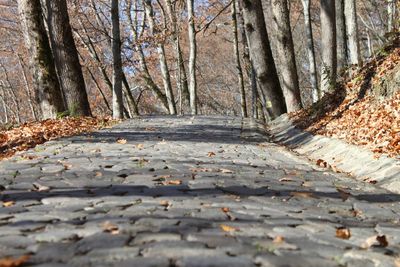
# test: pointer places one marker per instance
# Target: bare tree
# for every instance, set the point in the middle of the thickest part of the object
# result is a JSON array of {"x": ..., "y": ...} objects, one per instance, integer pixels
[
  {"x": 261, "y": 57},
  {"x": 117, "y": 62},
  {"x": 329, "y": 47},
  {"x": 352, "y": 32},
  {"x": 341, "y": 35},
  {"x": 41, "y": 62},
  {"x": 162, "y": 57},
  {"x": 316, "y": 94},
  {"x": 66, "y": 58},
  {"x": 192, "y": 57},
  {"x": 239, "y": 69},
  {"x": 286, "y": 54}
]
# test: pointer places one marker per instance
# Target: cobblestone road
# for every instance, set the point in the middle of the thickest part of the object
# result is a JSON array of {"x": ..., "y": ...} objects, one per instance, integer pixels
[{"x": 188, "y": 192}]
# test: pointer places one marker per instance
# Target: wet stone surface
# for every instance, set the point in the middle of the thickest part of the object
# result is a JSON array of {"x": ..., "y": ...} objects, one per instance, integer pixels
[{"x": 206, "y": 191}]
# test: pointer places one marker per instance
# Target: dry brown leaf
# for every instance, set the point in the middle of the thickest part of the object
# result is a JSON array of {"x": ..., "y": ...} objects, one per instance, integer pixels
[
  {"x": 343, "y": 233},
  {"x": 225, "y": 209},
  {"x": 322, "y": 163},
  {"x": 165, "y": 177},
  {"x": 397, "y": 262},
  {"x": 111, "y": 228},
  {"x": 40, "y": 188},
  {"x": 8, "y": 204},
  {"x": 210, "y": 154},
  {"x": 165, "y": 203},
  {"x": 150, "y": 129},
  {"x": 14, "y": 262},
  {"x": 229, "y": 229},
  {"x": 174, "y": 182},
  {"x": 286, "y": 179},
  {"x": 378, "y": 240},
  {"x": 122, "y": 141},
  {"x": 278, "y": 239},
  {"x": 303, "y": 194},
  {"x": 140, "y": 146},
  {"x": 225, "y": 171}
]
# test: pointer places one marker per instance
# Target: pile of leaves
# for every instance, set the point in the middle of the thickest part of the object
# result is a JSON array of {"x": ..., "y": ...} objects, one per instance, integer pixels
[
  {"x": 354, "y": 114},
  {"x": 29, "y": 135}
]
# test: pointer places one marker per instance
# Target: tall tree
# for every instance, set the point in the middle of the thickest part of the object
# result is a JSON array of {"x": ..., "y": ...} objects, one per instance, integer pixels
[
  {"x": 41, "y": 62},
  {"x": 329, "y": 47},
  {"x": 162, "y": 57},
  {"x": 286, "y": 54},
  {"x": 66, "y": 58},
  {"x": 192, "y": 57},
  {"x": 181, "y": 77},
  {"x": 117, "y": 62},
  {"x": 350, "y": 11},
  {"x": 341, "y": 35},
  {"x": 261, "y": 57},
  {"x": 391, "y": 11},
  {"x": 236, "y": 52},
  {"x": 316, "y": 94}
]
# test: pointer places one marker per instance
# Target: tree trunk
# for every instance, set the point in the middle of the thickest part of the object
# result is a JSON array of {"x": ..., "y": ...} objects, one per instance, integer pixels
[
  {"x": 181, "y": 77},
  {"x": 134, "y": 26},
  {"x": 163, "y": 60},
  {"x": 27, "y": 89},
  {"x": 66, "y": 57},
  {"x": 117, "y": 62},
  {"x": 328, "y": 46},
  {"x": 352, "y": 32},
  {"x": 391, "y": 8},
  {"x": 192, "y": 57},
  {"x": 41, "y": 62},
  {"x": 341, "y": 35},
  {"x": 316, "y": 92},
  {"x": 261, "y": 57},
  {"x": 239, "y": 69},
  {"x": 286, "y": 54}
]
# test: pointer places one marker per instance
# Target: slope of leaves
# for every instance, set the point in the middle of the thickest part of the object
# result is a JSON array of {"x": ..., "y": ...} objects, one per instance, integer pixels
[
  {"x": 353, "y": 113},
  {"x": 29, "y": 135}
]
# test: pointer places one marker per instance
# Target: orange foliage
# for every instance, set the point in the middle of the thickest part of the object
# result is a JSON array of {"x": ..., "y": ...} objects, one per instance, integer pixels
[{"x": 28, "y": 135}]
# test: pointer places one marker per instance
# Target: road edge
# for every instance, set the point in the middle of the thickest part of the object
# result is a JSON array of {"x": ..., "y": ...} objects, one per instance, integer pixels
[{"x": 336, "y": 154}]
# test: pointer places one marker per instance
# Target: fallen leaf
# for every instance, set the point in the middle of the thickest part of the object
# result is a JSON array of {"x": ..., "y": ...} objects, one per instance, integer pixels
[
  {"x": 14, "y": 262},
  {"x": 397, "y": 262},
  {"x": 343, "y": 233},
  {"x": 150, "y": 129},
  {"x": 40, "y": 188},
  {"x": 122, "y": 141},
  {"x": 303, "y": 194},
  {"x": 8, "y": 204},
  {"x": 225, "y": 171},
  {"x": 382, "y": 241},
  {"x": 140, "y": 146},
  {"x": 286, "y": 179},
  {"x": 211, "y": 154},
  {"x": 322, "y": 163},
  {"x": 67, "y": 166},
  {"x": 225, "y": 209},
  {"x": 166, "y": 204},
  {"x": 111, "y": 228},
  {"x": 174, "y": 182},
  {"x": 165, "y": 177},
  {"x": 278, "y": 239},
  {"x": 229, "y": 229},
  {"x": 98, "y": 174}
]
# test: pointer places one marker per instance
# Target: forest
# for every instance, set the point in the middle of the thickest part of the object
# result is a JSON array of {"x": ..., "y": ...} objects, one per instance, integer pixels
[{"x": 256, "y": 58}]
